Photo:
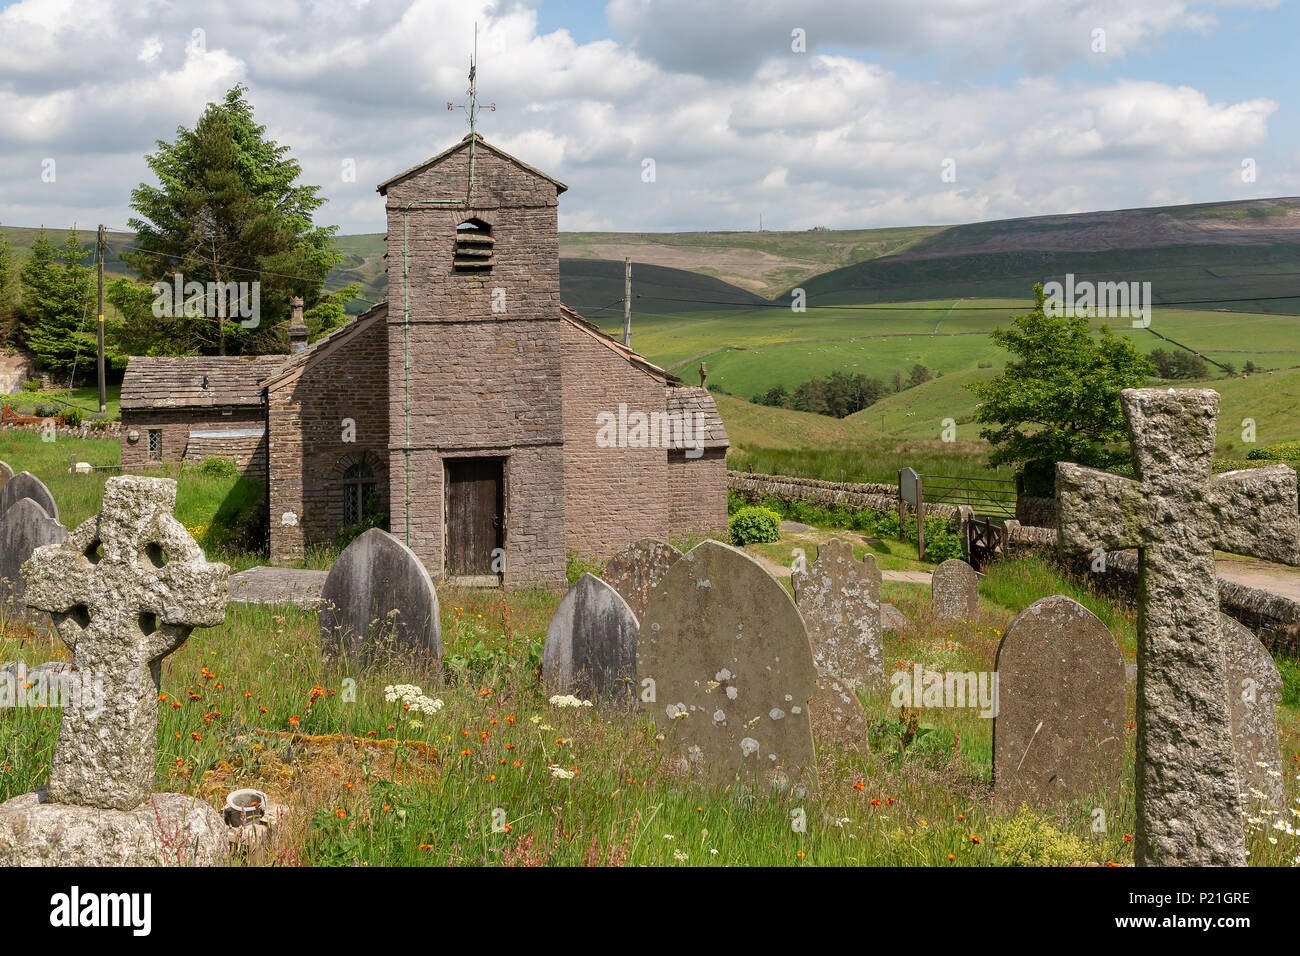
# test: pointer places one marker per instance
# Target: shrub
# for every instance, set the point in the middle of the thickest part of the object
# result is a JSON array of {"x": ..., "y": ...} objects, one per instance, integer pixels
[
  {"x": 32, "y": 385},
  {"x": 1029, "y": 840},
  {"x": 71, "y": 417},
  {"x": 575, "y": 566},
  {"x": 941, "y": 542},
  {"x": 217, "y": 466},
  {"x": 1282, "y": 451},
  {"x": 754, "y": 525}
]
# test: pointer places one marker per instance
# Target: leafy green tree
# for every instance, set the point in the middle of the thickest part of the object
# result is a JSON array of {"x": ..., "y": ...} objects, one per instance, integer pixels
[
  {"x": 1058, "y": 400},
  {"x": 229, "y": 208},
  {"x": 57, "y": 325}
]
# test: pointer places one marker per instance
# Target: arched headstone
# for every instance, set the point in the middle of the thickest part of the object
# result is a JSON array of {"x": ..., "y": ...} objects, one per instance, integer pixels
[
  {"x": 591, "y": 643},
  {"x": 23, "y": 528},
  {"x": 637, "y": 570},
  {"x": 839, "y": 598},
  {"x": 379, "y": 598},
  {"x": 954, "y": 591},
  {"x": 5, "y": 473},
  {"x": 1254, "y": 692},
  {"x": 725, "y": 668},
  {"x": 26, "y": 485},
  {"x": 1059, "y": 729}
]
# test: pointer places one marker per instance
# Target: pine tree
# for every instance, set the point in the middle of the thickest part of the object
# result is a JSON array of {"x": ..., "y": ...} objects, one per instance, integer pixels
[
  {"x": 8, "y": 294},
  {"x": 55, "y": 304},
  {"x": 230, "y": 209}
]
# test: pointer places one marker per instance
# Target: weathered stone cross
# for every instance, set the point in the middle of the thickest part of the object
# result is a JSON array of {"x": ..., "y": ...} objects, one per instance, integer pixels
[
  {"x": 126, "y": 588},
  {"x": 1177, "y": 513}
]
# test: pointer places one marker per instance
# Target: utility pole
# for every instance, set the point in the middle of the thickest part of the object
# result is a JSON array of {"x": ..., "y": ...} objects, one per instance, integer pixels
[
  {"x": 627, "y": 301},
  {"x": 99, "y": 361}
]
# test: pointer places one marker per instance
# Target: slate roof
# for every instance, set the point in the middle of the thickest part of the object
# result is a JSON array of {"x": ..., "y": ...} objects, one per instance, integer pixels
[
  {"x": 480, "y": 143},
  {"x": 287, "y": 365},
  {"x": 696, "y": 402},
  {"x": 195, "y": 381},
  {"x": 614, "y": 345}
]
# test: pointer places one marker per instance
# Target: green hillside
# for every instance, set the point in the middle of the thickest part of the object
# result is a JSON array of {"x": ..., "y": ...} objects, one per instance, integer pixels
[
  {"x": 594, "y": 287},
  {"x": 766, "y": 262},
  {"x": 1240, "y": 255}
]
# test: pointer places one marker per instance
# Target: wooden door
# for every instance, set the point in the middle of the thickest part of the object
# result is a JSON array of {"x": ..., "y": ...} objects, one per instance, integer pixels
[{"x": 475, "y": 515}]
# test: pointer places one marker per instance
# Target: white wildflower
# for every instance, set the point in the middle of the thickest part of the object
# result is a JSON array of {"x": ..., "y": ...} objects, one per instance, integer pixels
[{"x": 568, "y": 700}]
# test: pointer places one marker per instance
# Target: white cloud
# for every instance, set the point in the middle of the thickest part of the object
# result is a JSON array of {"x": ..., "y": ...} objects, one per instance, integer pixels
[{"x": 736, "y": 123}]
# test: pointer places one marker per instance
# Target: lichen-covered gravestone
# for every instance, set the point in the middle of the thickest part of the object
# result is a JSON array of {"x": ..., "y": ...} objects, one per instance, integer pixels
[
  {"x": 954, "y": 591},
  {"x": 26, "y": 485},
  {"x": 591, "y": 643},
  {"x": 379, "y": 599},
  {"x": 837, "y": 713},
  {"x": 1254, "y": 693},
  {"x": 839, "y": 598},
  {"x": 1059, "y": 730},
  {"x": 725, "y": 668},
  {"x": 637, "y": 570},
  {"x": 125, "y": 589},
  {"x": 23, "y": 528},
  {"x": 5, "y": 473},
  {"x": 1176, "y": 514}
]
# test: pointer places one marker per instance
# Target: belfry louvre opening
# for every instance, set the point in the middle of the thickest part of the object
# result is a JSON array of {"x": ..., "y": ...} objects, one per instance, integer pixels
[{"x": 473, "y": 247}]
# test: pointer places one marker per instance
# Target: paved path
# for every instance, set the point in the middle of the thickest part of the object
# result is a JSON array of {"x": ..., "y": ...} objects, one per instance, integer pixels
[
  {"x": 1276, "y": 578},
  {"x": 276, "y": 586}
]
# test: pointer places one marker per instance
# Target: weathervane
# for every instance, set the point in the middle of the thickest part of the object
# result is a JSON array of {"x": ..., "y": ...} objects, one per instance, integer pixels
[{"x": 471, "y": 106}]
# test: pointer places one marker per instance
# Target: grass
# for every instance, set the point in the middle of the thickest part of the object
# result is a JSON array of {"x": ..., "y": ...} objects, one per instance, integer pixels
[
  {"x": 211, "y": 505},
  {"x": 85, "y": 397},
  {"x": 252, "y": 703}
]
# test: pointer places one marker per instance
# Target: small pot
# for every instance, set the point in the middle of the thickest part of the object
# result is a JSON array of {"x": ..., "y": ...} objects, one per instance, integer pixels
[{"x": 244, "y": 807}]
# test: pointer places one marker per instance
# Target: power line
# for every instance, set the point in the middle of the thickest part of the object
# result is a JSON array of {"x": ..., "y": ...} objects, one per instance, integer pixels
[{"x": 977, "y": 308}]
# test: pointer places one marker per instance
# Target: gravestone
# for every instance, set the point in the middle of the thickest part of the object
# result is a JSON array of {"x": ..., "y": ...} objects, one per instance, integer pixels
[
  {"x": 26, "y": 485},
  {"x": 23, "y": 528},
  {"x": 837, "y": 713},
  {"x": 5, "y": 473},
  {"x": 954, "y": 591},
  {"x": 892, "y": 619},
  {"x": 725, "y": 668},
  {"x": 591, "y": 644},
  {"x": 637, "y": 570},
  {"x": 839, "y": 599},
  {"x": 379, "y": 599},
  {"x": 1176, "y": 513},
  {"x": 1058, "y": 735},
  {"x": 1254, "y": 693},
  {"x": 125, "y": 589}
]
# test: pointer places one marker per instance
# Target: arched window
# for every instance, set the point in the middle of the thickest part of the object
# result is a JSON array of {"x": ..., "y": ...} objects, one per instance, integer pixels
[
  {"x": 359, "y": 485},
  {"x": 473, "y": 247}
]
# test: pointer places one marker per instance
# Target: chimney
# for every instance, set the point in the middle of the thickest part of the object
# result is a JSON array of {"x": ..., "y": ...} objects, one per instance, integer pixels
[{"x": 297, "y": 327}]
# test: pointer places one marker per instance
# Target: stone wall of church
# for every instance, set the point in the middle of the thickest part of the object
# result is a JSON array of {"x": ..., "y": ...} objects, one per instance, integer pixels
[
  {"x": 478, "y": 354},
  {"x": 614, "y": 494},
  {"x": 310, "y": 451},
  {"x": 697, "y": 492}
]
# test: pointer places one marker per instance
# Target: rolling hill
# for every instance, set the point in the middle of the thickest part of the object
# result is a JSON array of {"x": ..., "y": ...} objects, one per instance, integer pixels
[{"x": 1236, "y": 255}]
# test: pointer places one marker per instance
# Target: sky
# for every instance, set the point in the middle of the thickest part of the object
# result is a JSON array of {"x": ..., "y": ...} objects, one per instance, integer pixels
[{"x": 823, "y": 113}]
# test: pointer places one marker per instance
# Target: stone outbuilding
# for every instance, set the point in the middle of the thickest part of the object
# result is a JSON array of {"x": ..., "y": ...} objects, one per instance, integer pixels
[{"x": 190, "y": 407}]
